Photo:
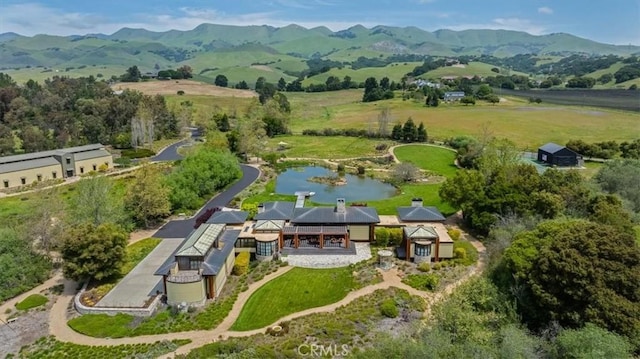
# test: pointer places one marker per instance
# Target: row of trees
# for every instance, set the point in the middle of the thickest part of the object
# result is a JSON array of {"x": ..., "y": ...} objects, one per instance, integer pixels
[
  {"x": 606, "y": 149},
  {"x": 64, "y": 112}
]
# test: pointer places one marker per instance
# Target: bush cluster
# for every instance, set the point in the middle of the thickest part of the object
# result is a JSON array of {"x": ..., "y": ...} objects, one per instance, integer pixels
[
  {"x": 241, "y": 265},
  {"x": 389, "y": 309}
]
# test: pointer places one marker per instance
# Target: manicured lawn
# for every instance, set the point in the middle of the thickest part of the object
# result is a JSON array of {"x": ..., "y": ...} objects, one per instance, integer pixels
[
  {"x": 333, "y": 147},
  {"x": 435, "y": 159},
  {"x": 294, "y": 291},
  {"x": 102, "y": 325},
  {"x": 32, "y": 301},
  {"x": 269, "y": 194},
  {"x": 428, "y": 193}
]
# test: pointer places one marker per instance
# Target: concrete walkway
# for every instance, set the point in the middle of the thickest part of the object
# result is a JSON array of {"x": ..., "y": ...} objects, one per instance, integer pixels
[
  {"x": 59, "y": 329},
  {"x": 134, "y": 289}
]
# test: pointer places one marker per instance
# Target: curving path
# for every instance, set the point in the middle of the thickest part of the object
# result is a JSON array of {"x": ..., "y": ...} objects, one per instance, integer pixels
[{"x": 58, "y": 315}]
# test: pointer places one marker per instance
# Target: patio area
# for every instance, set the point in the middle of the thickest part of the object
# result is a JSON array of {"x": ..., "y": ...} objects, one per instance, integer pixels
[{"x": 326, "y": 258}]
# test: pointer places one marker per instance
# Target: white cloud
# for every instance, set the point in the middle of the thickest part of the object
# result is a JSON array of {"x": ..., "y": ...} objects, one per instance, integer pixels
[
  {"x": 515, "y": 24},
  {"x": 545, "y": 10}
]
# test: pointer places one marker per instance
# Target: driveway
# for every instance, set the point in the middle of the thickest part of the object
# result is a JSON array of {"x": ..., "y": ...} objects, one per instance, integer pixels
[
  {"x": 182, "y": 228},
  {"x": 136, "y": 287}
]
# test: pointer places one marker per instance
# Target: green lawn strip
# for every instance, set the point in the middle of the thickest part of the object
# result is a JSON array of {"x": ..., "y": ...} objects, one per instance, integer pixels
[
  {"x": 49, "y": 347},
  {"x": 434, "y": 159},
  {"x": 428, "y": 193},
  {"x": 32, "y": 301},
  {"x": 294, "y": 291},
  {"x": 268, "y": 195},
  {"x": 471, "y": 253}
]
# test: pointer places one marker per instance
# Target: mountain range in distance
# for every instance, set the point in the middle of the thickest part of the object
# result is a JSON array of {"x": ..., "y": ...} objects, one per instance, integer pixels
[{"x": 176, "y": 46}]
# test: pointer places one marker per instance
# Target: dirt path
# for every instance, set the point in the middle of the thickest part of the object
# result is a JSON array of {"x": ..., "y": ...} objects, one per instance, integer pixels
[
  {"x": 11, "y": 303},
  {"x": 391, "y": 278}
]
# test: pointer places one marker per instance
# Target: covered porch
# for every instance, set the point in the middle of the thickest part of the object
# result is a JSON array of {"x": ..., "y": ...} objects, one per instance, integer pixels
[{"x": 321, "y": 237}]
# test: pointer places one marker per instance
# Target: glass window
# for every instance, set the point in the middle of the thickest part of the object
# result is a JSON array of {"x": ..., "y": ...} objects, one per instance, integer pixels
[
  {"x": 68, "y": 161},
  {"x": 39, "y": 178},
  {"x": 6, "y": 183},
  {"x": 23, "y": 180},
  {"x": 81, "y": 169},
  {"x": 422, "y": 250},
  {"x": 194, "y": 264},
  {"x": 54, "y": 174},
  {"x": 95, "y": 167},
  {"x": 265, "y": 248}
]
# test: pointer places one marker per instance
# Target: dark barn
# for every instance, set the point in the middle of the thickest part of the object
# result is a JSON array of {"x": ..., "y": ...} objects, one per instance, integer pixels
[{"x": 556, "y": 155}]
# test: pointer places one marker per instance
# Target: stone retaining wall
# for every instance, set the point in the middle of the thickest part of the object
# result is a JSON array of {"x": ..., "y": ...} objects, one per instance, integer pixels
[{"x": 137, "y": 312}]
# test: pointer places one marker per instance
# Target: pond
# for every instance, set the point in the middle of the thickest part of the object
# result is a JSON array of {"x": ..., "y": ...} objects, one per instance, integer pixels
[{"x": 357, "y": 189}]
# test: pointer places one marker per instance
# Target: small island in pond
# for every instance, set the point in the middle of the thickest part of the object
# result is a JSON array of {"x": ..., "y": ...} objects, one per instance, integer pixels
[{"x": 329, "y": 180}]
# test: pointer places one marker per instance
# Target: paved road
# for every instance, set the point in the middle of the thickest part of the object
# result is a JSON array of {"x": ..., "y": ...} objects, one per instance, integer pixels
[
  {"x": 136, "y": 287},
  {"x": 182, "y": 228},
  {"x": 170, "y": 153}
]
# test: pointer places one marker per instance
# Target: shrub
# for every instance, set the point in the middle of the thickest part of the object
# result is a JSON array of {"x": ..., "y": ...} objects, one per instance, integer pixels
[
  {"x": 340, "y": 167},
  {"x": 361, "y": 170},
  {"x": 381, "y": 146},
  {"x": 424, "y": 266},
  {"x": 205, "y": 216},
  {"x": 454, "y": 233},
  {"x": 137, "y": 153},
  {"x": 422, "y": 281},
  {"x": 389, "y": 309},
  {"x": 103, "y": 167},
  {"x": 382, "y": 236},
  {"x": 460, "y": 253},
  {"x": 241, "y": 265},
  {"x": 180, "y": 92},
  {"x": 395, "y": 236}
]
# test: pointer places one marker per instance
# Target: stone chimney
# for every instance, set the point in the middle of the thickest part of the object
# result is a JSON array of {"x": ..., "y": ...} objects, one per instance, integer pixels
[
  {"x": 416, "y": 202},
  {"x": 341, "y": 207},
  {"x": 261, "y": 208}
]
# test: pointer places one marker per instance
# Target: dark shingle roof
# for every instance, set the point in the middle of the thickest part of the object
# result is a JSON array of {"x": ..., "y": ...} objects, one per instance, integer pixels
[
  {"x": 276, "y": 210},
  {"x": 420, "y": 214},
  {"x": 229, "y": 217},
  {"x": 551, "y": 147},
  {"x": 329, "y": 215},
  {"x": 216, "y": 258}
]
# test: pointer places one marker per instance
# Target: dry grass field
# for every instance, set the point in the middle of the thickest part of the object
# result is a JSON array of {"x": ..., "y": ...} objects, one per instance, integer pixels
[{"x": 188, "y": 86}]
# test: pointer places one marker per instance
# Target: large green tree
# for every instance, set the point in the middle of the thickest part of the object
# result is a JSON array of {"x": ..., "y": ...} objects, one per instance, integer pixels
[
  {"x": 94, "y": 252},
  {"x": 575, "y": 272},
  {"x": 147, "y": 199},
  {"x": 94, "y": 201}
]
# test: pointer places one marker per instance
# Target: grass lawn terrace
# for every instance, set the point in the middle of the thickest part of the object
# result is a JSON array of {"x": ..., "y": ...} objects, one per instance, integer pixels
[
  {"x": 294, "y": 291},
  {"x": 431, "y": 158}
]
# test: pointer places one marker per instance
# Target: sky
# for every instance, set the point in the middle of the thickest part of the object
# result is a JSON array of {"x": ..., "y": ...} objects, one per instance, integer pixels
[{"x": 611, "y": 21}]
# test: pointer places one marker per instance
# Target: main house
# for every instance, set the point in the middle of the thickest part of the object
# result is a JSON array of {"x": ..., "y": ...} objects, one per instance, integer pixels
[
  {"x": 198, "y": 269},
  {"x": 20, "y": 170},
  {"x": 556, "y": 155}
]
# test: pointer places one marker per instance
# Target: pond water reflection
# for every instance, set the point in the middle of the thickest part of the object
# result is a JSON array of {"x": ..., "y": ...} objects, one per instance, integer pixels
[{"x": 357, "y": 188}]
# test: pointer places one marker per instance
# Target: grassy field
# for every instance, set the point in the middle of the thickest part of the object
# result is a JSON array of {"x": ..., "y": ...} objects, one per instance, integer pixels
[
  {"x": 528, "y": 125},
  {"x": 294, "y": 291},
  {"x": 434, "y": 159},
  {"x": 334, "y": 147},
  {"x": 394, "y": 72},
  {"x": 473, "y": 68},
  {"x": 37, "y": 74},
  {"x": 32, "y": 301}
]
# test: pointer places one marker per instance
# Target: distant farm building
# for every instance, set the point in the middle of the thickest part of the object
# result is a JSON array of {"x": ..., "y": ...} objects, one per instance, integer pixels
[
  {"x": 453, "y": 96},
  {"x": 556, "y": 155}
]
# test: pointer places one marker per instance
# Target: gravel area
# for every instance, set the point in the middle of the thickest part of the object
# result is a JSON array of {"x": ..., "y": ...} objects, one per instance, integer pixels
[
  {"x": 26, "y": 329},
  {"x": 363, "y": 252}
]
